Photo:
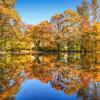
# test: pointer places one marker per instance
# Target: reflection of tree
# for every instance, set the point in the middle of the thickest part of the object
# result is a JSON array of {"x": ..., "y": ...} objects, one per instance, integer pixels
[
  {"x": 68, "y": 78},
  {"x": 63, "y": 76},
  {"x": 83, "y": 93},
  {"x": 10, "y": 74},
  {"x": 89, "y": 92}
]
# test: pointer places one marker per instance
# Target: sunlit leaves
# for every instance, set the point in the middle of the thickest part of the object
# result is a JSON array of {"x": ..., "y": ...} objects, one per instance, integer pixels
[{"x": 9, "y": 12}]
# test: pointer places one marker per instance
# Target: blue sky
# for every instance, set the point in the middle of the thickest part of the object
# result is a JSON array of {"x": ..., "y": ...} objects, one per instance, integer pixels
[{"x": 35, "y": 11}]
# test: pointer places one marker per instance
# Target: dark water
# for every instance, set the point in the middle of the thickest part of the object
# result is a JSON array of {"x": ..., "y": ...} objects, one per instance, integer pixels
[{"x": 71, "y": 76}]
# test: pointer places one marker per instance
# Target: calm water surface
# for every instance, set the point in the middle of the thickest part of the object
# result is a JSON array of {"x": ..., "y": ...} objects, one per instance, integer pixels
[{"x": 65, "y": 76}]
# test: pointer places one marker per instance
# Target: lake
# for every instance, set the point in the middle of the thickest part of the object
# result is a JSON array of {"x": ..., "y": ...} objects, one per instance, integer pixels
[{"x": 64, "y": 76}]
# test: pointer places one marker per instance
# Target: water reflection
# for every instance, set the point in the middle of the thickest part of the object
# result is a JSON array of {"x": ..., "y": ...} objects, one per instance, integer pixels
[{"x": 49, "y": 76}]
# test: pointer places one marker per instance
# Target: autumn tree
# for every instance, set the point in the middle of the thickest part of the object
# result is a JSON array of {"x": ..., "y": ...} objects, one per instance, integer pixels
[
  {"x": 41, "y": 35},
  {"x": 66, "y": 26},
  {"x": 56, "y": 23},
  {"x": 11, "y": 33},
  {"x": 89, "y": 12}
]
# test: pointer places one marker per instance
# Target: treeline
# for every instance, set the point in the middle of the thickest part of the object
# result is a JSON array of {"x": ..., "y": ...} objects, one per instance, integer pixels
[{"x": 70, "y": 31}]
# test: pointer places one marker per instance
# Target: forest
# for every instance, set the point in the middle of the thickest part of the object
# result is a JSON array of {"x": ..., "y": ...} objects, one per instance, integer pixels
[{"x": 70, "y": 31}]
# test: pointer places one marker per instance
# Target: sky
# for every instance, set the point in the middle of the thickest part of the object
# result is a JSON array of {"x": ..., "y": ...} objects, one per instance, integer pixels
[{"x": 35, "y": 11}]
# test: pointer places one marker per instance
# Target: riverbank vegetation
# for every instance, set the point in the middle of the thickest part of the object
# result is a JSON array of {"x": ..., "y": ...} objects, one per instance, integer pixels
[{"x": 70, "y": 31}]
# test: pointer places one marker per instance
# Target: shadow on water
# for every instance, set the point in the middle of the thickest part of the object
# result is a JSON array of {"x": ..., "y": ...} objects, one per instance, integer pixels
[{"x": 71, "y": 76}]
